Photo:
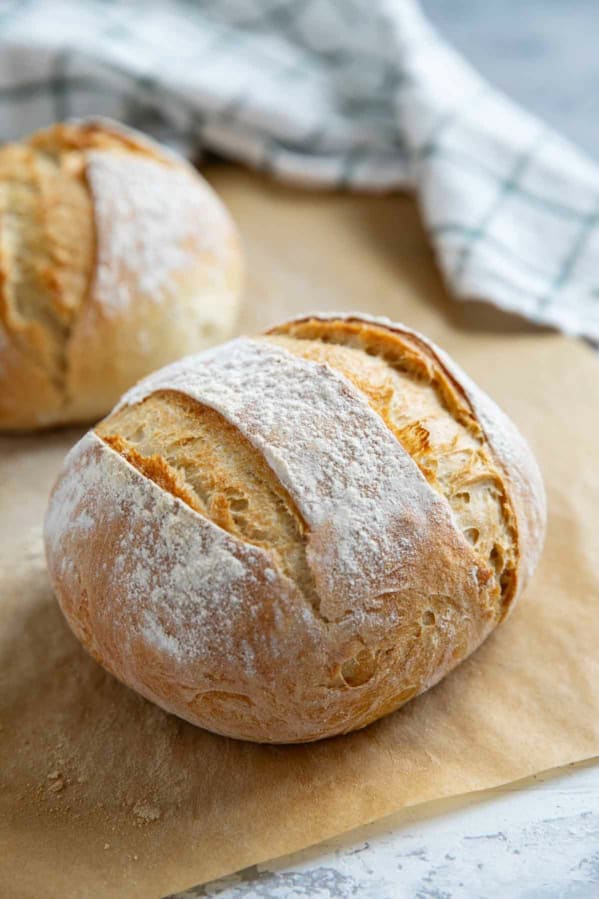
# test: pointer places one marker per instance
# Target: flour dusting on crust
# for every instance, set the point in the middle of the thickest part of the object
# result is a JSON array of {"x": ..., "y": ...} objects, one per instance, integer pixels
[
  {"x": 369, "y": 510},
  {"x": 153, "y": 221},
  {"x": 193, "y": 579}
]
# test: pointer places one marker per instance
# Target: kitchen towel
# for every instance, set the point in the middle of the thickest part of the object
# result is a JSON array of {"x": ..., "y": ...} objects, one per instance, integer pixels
[{"x": 356, "y": 93}]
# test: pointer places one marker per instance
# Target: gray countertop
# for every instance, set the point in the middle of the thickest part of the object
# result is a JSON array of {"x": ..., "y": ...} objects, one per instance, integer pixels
[
  {"x": 542, "y": 53},
  {"x": 534, "y": 839}
]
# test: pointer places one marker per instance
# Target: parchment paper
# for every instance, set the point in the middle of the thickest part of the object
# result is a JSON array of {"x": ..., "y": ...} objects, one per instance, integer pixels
[{"x": 104, "y": 795}]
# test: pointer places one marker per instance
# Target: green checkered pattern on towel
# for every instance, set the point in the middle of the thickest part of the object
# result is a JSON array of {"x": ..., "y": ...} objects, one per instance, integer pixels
[{"x": 330, "y": 93}]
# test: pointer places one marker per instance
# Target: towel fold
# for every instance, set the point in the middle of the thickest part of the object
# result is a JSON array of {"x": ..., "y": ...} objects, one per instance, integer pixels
[{"x": 348, "y": 93}]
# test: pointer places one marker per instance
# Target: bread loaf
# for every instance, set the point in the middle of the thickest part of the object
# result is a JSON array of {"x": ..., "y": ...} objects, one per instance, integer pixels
[
  {"x": 289, "y": 536},
  {"x": 116, "y": 257}
]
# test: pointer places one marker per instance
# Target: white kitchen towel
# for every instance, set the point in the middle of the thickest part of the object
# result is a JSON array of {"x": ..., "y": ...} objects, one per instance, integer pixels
[{"x": 355, "y": 93}]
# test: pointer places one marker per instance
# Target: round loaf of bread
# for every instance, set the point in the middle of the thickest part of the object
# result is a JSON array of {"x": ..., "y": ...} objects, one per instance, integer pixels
[
  {"x": 289, "y": 536},
  {"x": 116, "y": 257}
]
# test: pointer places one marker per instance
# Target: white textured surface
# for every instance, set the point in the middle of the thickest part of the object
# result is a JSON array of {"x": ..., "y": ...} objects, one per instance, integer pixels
[{"x": 534, "y": 839}]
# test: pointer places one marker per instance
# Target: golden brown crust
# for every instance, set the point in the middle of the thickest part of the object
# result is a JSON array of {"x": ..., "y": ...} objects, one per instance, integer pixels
[
  {"x": 46, "y": 260},
  {"x": 269, "y": 669},
  {"x": 191, "y": 552},
  {"x": 78, "y": 322},
  {"x": 94, "y": 134}
]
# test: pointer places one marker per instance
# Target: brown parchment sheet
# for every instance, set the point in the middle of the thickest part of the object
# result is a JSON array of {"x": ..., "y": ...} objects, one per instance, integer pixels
[{"x": 104, "y": 795}]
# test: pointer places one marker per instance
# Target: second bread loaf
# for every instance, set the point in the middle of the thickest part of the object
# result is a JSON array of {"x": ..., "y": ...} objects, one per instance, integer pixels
[{"x": 116, "y": 257}]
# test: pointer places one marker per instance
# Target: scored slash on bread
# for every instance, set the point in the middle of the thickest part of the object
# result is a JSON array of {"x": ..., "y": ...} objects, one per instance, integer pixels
[{"x": 289, "y": 536}]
